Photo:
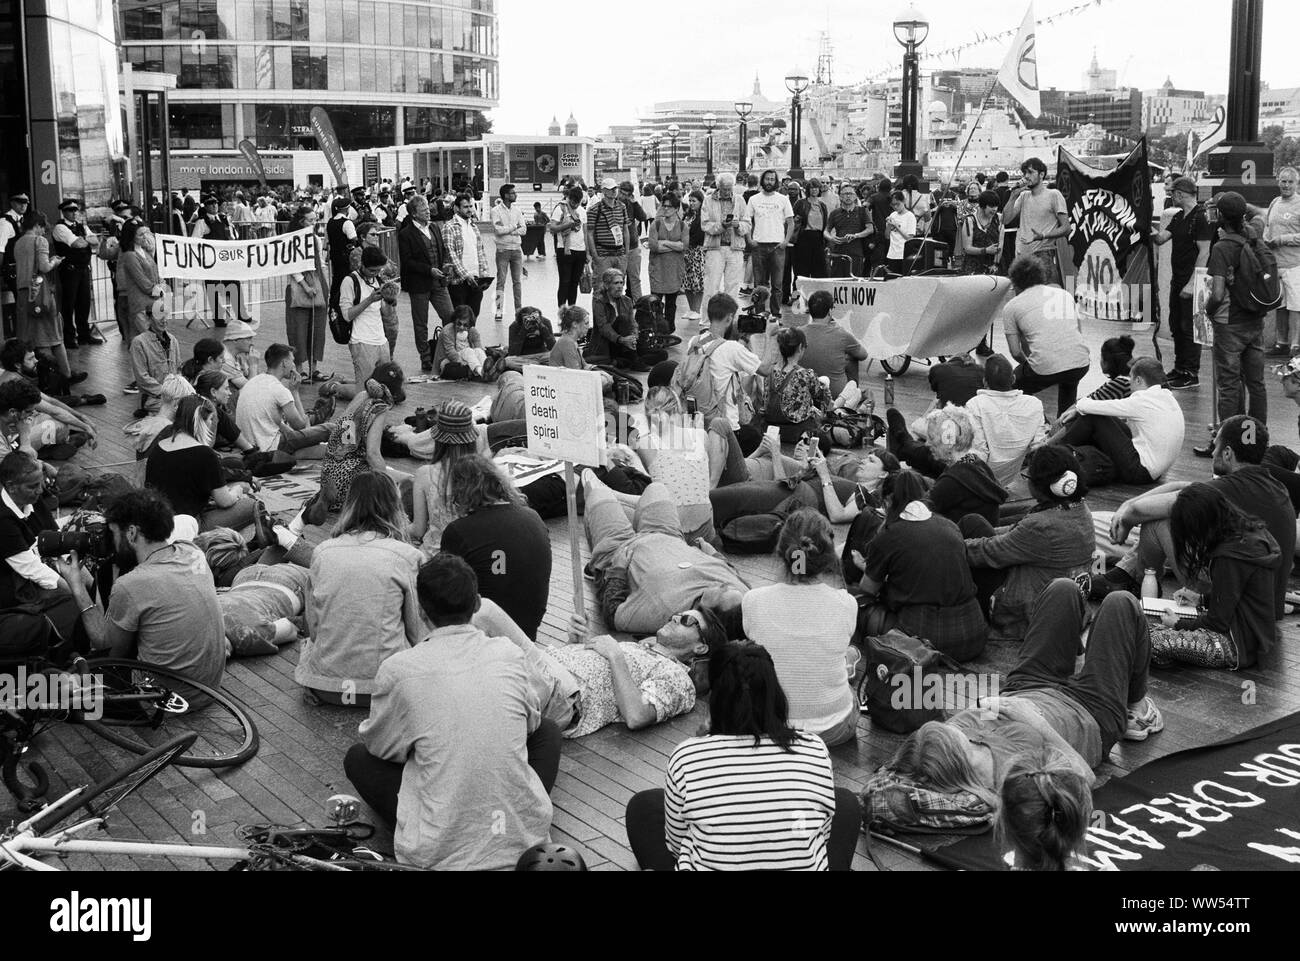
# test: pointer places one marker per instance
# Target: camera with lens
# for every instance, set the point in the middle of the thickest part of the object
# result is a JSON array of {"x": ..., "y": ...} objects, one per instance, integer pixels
[
  {"x": 90, "y": 537},
  {"x": 755, "y": 317}
]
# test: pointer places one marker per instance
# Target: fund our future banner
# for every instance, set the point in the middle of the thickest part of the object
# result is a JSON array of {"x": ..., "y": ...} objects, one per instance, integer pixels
[
  {"x": 1108, "y": 262},
  {"x": 186, "y": 257},
  {"x": 920, "y": 316}
]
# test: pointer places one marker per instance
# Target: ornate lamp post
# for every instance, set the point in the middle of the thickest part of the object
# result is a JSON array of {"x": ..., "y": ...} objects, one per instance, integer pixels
[
  {"x": 796, "y": 81},
  {"x": 710, "y": 122},
  {"x": 674, "y": 132},
  {"x": 911, "y": 27},
  {"x": 655, "y": 140},
  {"x": 744, "y": 110}
]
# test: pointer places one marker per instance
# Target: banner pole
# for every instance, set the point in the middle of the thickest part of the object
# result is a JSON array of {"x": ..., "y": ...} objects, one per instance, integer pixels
[{"x": 575, "y": 548}]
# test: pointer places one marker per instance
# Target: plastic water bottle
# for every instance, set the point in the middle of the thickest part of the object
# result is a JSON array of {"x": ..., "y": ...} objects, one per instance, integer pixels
[
  {"x": 1150, "y": 583},
  {"x": 889, "y": 390}
]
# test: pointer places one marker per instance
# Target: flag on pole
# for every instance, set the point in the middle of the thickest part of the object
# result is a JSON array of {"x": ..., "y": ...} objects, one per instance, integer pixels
[
  {"x": 1204, "y": 142},
  {"x": 1019, "y": 73}
]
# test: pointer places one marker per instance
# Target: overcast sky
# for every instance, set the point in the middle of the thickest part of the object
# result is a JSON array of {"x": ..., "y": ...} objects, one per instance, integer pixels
[{"x": 659, "y": 56}]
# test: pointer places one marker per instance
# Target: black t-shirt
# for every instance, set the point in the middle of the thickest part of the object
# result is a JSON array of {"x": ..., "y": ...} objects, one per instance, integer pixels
[
  {"x": 1255, "y": 492},
  {"x": 185, "y": 477},
  {"x": 881, "y": 207},
  {"x": 17, "y": 535},
  {"x": 1187, "y": 229},
  {"x": 921, "y": 562},
  {"x": 954, "y": 382},
  {"x": 510, "y": 550}
]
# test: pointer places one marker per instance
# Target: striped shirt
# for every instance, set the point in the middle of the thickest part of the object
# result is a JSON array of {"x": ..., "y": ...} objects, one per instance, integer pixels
[
  {"x": 1117, "y": 388},
  {"x": 732, "y": 806},
  {"x": 609, "y": 225}
]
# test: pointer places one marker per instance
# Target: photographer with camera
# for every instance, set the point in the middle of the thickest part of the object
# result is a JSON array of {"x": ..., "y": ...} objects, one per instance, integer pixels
[
  {"x": 164, "y": 610},
  {"x": 529, "y": 340}
]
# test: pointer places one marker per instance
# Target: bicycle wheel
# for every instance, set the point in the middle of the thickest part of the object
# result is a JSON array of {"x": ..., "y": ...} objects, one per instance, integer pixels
[
  {"x": 145, "y": 705},
  {"x": 98, "y": 799},
  {"x": 896, "y": 365}
]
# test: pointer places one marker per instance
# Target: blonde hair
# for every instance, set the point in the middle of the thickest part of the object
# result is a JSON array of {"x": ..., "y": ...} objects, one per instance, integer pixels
[
  {"x": 175, "y": 388},
  {"x": 950, "y": 433},
  {"x": 935, "y": 756}
]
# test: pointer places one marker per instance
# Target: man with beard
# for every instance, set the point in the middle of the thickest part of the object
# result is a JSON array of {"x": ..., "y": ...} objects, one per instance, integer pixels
[{"x": 164, "y": 610}]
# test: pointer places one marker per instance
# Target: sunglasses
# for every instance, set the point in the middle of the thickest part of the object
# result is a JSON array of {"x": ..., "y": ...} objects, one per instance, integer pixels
[{"x": 688, "y": 619}]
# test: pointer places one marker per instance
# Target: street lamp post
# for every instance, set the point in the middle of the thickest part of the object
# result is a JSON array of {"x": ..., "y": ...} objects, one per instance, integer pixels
[
  {"x": 655, "y": 140},
  {"x": 673, "y": 132},
  {"x": 710, "y": 121},
  {"x": 796, "y": 81},
  {"x": 910, "y": 29},
  {"x": 744, "y": 110}
]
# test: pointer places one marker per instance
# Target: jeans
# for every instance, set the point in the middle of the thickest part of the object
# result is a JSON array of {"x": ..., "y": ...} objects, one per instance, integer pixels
[
  {"x": 1114, "y": 671},
  {"x": 1238, "y": 361},
  {"x": 1067, "y": 381},
  {"x": 1113, "y": 438},
  {"x": 1187, "y": 352},
  {"x": 646, "y": 836},
  {"x": 724, "y": 269},
  {"x": 570, "y": 265},
  {"x": 511, "y": 259},
  {"x": 379, "y": 781},
  {"x": 769, "y": 265},
  {"x": 441, "y": 301},
  {"x": 633, "y": 272},
  {"x": 466, "y": 294},
  {"x": 603, "y": 262},
  {"x": 292, "y": 441},
  {"x": 365, "y": 358}
]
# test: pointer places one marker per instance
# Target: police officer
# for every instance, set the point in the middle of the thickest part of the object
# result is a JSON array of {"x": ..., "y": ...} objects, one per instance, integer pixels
[{"x": 72, "y": 241}]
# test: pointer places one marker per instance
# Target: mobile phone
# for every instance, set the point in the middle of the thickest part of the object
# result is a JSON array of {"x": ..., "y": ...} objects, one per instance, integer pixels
[
  {"x": 691, "y": 407},
  {"x": 730, "y": 217}
]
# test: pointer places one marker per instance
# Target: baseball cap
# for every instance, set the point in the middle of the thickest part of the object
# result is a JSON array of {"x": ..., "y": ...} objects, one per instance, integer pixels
[
  {"x": 1231, "y": 204},
  {"x": 390, "y": 375},
  {"x": 609, "y": 183},
  {"x": 1186, "y": 184}
]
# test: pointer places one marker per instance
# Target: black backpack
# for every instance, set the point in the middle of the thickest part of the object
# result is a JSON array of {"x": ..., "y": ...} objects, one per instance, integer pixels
[
  {"x": 893, "y": 670},
  {"x": 340, "y": 326},
  {"x": 1256, "y": 284}
]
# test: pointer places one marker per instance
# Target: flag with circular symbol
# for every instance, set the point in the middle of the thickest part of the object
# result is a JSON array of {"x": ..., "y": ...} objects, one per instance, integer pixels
[{"x": 1019, "y": 73}]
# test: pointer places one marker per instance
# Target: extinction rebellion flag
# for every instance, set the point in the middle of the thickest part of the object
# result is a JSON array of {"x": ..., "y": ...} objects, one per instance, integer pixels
[{"x": 1108, "y": 266}]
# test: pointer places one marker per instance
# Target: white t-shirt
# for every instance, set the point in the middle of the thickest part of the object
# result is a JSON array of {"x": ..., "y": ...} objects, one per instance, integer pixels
[
  {"x": 907, "y": 223},
  {"x": 469, "y": 246},
  {"x": 770, "y": 212},
  {"x": 258, "y": 414},
  {"x": 733, "y": 359},
  {"x": 368, "y": 328},
  {"x": 574, "y": 240}
]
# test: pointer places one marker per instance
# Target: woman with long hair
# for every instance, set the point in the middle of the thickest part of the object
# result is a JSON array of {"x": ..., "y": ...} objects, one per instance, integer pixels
[
  {"x": 305, "y": 307},
  {"x": 214, "y": 386},
  {"x": 363, "y": 605},
  {"x": 355, "y": 439},
  {"x": 752, "y": 794},
  {"x": 807, "y": 624},
  {"x": 454, "y": 438},
  {"x": 1217, "y": 543},
  {"x": 693, "y": 281},
  {"x": 981, "y": 232},
  {"x": 137, "y": 275},
  {"x": 1044, "y": 815},
  {"x": 808, "y": 256},
  {"x": 797, "y": 400},
  {"x": 37, "y": 307},
  {"x": 185, "y": 469},
  {"x": 916, "y": 577},
  {"x": 669, "y": 240},
  {"x": 1012, "y": 565}
]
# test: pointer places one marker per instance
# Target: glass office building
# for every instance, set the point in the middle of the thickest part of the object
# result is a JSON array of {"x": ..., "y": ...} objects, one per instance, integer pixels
[{"x": 388, "y": 71}]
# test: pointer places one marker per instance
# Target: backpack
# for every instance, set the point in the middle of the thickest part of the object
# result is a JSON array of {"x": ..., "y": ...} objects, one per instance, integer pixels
[
  {"x": 1256, "y": 284},
  {"x": 693, "y": 379},
  {"x": 896, "y": 662},
  {"x": 340, "y": 326},
  {"x": 758, "y": 533}
]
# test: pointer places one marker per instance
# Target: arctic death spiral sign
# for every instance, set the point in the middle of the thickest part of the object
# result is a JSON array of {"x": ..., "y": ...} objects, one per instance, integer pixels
[{"x": 1108, "y": 266}]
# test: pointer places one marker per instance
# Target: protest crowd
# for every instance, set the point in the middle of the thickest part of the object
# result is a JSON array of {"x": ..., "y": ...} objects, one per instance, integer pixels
[{"x": 732, "y": 427}]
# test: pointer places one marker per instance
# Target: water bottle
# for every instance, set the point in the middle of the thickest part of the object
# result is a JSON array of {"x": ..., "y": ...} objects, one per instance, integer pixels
[
  {"x": 889, "y": 390},
  {"x": 1150, "y": 583}
]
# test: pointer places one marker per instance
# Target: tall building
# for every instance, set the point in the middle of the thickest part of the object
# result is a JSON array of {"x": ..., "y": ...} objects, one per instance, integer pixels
[
  {"x": 61, "y": 129},
  {"x": 388, "y": 72},
  {"x": 1170, "y": 106},
  {"x": 1096, "y": 79}
]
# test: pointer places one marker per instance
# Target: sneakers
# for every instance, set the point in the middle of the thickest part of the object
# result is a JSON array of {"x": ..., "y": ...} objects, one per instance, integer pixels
[
  {"x": 1278, "y": 350},
  {"x": 1140, "y": 726},
  {"x": 1116, "y": 579},
  {"x": 1182, "y": 381},
  {"x": 131, "y": 388}
]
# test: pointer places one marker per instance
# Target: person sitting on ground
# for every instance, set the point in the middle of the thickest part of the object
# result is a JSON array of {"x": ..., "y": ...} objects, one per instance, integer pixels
[
  {"x": 833, "y": 352},
  {"x": 501, "y": 538},
  {"x": 530, "y": 339},
  {"x": 915, "y": 576},
  {"x": 1008, "y": 423},
  {"x": 459, "y": 354},
  {"x": 363, "y": 602},
  {"x": 354, "y": 443},
  {"x": 237, "y": 357},
  {"x": 1215, "y": 542},
  {"x": 1044, "y": 334},
  {"x": 752, "y": 793},
  {"x": 1239, "y": 448},
  {"x": 956, "y": 380},
  {"x": 1012, "y": 565},
  {"x": 1043, "y": 706},
  {"x": 1281, "y": 463},
  {"x": 1116, "y": 360},
  {"x": 967, "y": 485},
  {"x": 148, "y": 429},
  {"x": 214, "y": 387},
  {"x": 807, "y": 624},
  {"x": 270, "y": 412},
  {"x": 1142, "y": 434},
  {"x": 208, "y": 355},
  {"x": 18, "y": 361},
  {"x": 154, "y": 355},
  {"x": 454, "y": 438},
  {"x": 614, "y": 335},
  {"x": 645, "y": 570},
  {"x": 456, "y": 741},
  {"x": 185, "y": 469},
  {"x": 797, "y": 399},
  {"x": 164, "y": 610}
]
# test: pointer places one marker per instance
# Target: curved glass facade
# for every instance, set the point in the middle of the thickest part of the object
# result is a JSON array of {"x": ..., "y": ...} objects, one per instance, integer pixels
[{"x": 391, "y": 71}]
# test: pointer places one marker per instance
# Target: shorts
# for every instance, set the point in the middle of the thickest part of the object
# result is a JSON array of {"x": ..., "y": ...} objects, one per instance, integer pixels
[{"x": 1290, "y": 277}]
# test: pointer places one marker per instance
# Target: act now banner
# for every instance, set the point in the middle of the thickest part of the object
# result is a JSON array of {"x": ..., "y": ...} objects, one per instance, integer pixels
[
  {"x": 291, "y": 253},
  {"x": 919, "y": 316}
]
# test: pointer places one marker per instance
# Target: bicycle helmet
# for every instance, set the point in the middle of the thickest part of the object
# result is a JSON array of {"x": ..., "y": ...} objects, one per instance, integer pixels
[{"x": 550, "y": 857}]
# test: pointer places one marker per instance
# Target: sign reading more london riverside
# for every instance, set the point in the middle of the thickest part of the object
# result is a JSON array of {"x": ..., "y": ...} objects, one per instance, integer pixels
[
  {"x": 289, "y": 253},
  {"x": 564, "y": 413}
]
